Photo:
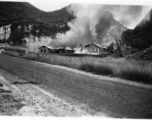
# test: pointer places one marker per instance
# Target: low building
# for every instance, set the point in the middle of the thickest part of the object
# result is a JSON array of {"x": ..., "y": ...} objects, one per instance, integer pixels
[
  {"x": 1, "y": 50},
  {"x": 4, "y": 45},
  {"x": 69, "y": 50},
  {"x": 49, "y": 49},
  {"x": 16, "y": 49},
  {"x": 59, "y": 50},
  {"x": 93, "y": 49},
  {"x": 46, "y": 49}
]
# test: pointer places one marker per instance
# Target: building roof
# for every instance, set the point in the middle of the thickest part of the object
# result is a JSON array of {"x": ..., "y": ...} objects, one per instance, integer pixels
[
  {"x": 92, "y": 44},
  {"x": 49, "y": 47},
  {"x": 59, "y": 48},
  {"x": 15, "y": 48},
  {"x": 68, "y": 48}
]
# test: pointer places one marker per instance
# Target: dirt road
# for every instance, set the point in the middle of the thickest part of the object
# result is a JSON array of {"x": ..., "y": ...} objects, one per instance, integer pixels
[
  {"x": 30, "y": 100},
  {"x": 88, "y": 94}
]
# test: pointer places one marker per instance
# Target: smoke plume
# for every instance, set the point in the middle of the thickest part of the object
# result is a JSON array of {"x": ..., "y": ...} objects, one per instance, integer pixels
[
  {"x": 101, "y": 24},
  {"x": 33, "y": 43}
]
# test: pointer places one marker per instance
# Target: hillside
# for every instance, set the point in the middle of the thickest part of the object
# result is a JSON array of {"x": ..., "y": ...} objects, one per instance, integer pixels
[
  {"x": 58, "y": 16},
  {"x": 25, "y": 20},
  {"x": 23, "y": 12},
  {"x": 140, "y": 37},
  {"x": 18, "y": 12}
]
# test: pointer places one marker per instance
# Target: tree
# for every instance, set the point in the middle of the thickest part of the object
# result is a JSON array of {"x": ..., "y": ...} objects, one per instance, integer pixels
[
  {"x": 111, "y": 48},
  {"x": 17, "y": 34}
]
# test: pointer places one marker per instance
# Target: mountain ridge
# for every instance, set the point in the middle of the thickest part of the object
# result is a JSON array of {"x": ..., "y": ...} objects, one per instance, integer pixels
[
  {"x": 24, "y": 12},
  {"x": 140, "y": 37}
]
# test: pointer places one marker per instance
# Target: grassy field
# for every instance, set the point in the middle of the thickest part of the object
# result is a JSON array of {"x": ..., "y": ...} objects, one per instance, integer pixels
[{"x": 140, "y": 71}]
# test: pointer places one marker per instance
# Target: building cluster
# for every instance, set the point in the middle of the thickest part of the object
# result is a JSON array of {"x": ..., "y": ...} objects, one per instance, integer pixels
[
  {"x": 87, "y": 49},
  {"x": 49, "y": 49},
  {"x": 91, "y": 48}
]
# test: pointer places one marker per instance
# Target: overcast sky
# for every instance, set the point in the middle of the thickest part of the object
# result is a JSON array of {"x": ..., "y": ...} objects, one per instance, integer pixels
[{"x": 51, "y": 5}]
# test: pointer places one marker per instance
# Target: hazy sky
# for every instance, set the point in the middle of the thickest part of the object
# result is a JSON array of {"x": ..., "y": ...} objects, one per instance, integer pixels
[{"x": 51, "y": 5}]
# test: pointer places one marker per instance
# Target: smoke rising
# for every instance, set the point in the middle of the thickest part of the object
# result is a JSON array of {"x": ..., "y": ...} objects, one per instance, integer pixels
[
  {"x": 33, "y": 43},
  {"x": 101, "y": 24}
]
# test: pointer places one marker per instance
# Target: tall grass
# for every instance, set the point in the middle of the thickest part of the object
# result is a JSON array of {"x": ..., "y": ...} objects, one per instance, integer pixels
[
  {"x": 140, "y": 71},
  {"x": 11, "y": 53}
]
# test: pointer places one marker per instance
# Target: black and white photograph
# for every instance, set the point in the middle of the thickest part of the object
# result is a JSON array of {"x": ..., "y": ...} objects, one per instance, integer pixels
[{"x": 70, "y": 58}]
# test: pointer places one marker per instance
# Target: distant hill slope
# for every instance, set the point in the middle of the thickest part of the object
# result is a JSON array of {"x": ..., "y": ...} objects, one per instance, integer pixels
[
  {"x": 22, "y": 15},
  {"x": 18, "y": 12},
  {"x": 140, "y": 37},
  {"x": 23, "y": 12},
  {"x": 57, "y": 17}
]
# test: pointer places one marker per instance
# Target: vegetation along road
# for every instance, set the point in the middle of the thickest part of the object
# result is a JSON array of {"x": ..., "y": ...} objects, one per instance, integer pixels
[{"x": 97, "y": 95}]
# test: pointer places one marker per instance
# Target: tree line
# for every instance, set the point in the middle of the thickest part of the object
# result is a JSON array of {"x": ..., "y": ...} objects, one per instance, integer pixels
[{"x": 19, "y": 31}]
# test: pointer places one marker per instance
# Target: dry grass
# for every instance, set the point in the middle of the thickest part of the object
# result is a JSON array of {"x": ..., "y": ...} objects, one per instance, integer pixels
[
  {"x": 140, "y": 71},
  {"x": 11, "y": 53}
]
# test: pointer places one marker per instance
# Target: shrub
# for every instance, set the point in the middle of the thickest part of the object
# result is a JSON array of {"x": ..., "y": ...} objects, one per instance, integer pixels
[
  {"x": 11, "y": 53},
  {"x": 136, "y": 75},
  {"x": 97, "y": 69}
]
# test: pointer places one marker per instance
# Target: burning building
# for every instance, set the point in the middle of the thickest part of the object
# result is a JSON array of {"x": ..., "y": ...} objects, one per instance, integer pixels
[
  {"x": 69, "y": 50},
  {"x": 93, "y": 49},
  {"x": 101, "y": 24},
  {"x": 49, "y": 49},
  {"x": 46, "y": 49},
  {"x": 59, "y": 50}
]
